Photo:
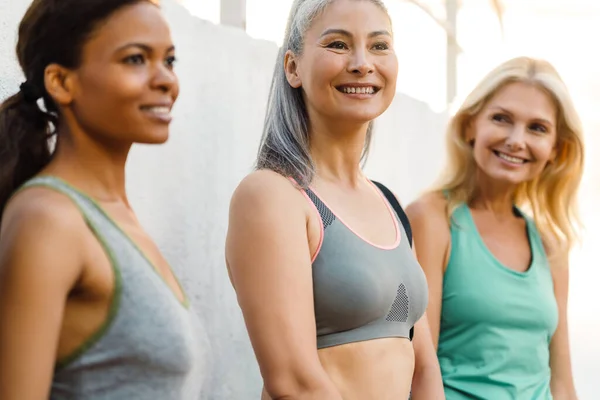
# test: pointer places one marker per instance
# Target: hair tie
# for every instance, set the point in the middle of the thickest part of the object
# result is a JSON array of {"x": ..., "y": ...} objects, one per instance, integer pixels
[{"x": 30, "y": 92}]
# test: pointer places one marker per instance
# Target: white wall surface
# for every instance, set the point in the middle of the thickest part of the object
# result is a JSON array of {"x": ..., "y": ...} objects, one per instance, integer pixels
[{"x": 181, "y": 190}]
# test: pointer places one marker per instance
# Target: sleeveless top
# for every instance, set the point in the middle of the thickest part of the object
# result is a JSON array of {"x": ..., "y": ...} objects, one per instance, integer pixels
[
  {"x": 149, "y": 347},
  {"x": 496, "y": 323},
  {"x": 363, "y": 291}
]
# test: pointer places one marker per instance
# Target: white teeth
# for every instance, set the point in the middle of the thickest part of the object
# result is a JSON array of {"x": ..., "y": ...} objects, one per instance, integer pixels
[
  {"x": 508, "y": 158},
  {"x": 158, "y": 110},
  {"x": 359, "y": 90}
]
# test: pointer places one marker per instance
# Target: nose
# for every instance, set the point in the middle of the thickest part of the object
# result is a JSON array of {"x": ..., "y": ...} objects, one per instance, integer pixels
[
  {"x": 360, "y": 63},
  {"x": 516, "y": 138},
  {"x": 164, "y": 78}
]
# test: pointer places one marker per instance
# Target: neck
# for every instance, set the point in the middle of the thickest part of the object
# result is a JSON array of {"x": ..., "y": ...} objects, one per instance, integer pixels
[
  {"x": 336, "y": 150},
  {"x": 497, "y": 197},
  {"x": 98, "y": 169}
]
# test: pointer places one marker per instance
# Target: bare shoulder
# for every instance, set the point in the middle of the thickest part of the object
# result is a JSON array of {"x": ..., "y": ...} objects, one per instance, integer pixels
[
  {"x": 40, "y": 225},
  {"x": 431, "y": 208},
  {"x": 264, "y": 189},
  {"x": 558, "y": 256},
  {"x": 41, "y": 208}
]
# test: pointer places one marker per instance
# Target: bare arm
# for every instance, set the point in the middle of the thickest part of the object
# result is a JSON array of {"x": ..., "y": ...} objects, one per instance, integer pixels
[
  {"x": 39, "y": 264},
  {"x": 427, "y": 379},
  {"x": 432, "y": 243},
  {"x": 561, "y": 382},
  {"x": 270, "y": 265}
]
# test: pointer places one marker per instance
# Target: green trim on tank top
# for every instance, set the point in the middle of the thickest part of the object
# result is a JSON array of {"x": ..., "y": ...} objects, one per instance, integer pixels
[
  {"x": 117, "y": 289},
  {"x": 185, "y": 302}
]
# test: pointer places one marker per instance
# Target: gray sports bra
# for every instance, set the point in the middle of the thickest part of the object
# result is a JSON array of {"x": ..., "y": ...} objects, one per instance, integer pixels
[{"x": 363, "y": 291}]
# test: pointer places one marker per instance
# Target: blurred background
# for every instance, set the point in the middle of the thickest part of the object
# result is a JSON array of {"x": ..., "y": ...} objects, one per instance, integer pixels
[{"x": 227, "y": 49}]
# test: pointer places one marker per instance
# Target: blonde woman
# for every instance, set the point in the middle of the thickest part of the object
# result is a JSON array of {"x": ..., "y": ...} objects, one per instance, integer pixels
[{"x": 493, "y": 238}]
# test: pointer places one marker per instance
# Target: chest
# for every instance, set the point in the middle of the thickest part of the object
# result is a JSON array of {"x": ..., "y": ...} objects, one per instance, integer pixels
[
  {"x": 479, "y": 291},
  {"x": 508, "y": 241},
  {"x": 355, "y": 283}
]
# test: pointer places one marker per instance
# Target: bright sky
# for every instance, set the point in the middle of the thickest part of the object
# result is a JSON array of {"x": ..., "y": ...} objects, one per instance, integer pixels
[{"x": 566, "y": 37}]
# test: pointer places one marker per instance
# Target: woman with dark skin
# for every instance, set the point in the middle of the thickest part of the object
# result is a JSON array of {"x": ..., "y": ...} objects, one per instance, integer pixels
[{"x": 89, "y": 308}]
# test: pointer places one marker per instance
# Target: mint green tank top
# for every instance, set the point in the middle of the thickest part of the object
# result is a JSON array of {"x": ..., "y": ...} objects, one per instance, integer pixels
[{"x": 496, "y": 323}]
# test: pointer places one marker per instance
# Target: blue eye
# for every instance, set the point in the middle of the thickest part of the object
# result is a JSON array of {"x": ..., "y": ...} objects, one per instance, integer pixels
[
  {"x": 538, "y": 128},
  {"x": 500, "y": 118}
]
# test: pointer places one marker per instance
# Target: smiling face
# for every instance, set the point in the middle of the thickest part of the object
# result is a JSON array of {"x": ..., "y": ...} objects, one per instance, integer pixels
[
  {"x": 348, "y": 68},
  {"x": 125, "y": 86},
  {"x": 514, "y": 134}
]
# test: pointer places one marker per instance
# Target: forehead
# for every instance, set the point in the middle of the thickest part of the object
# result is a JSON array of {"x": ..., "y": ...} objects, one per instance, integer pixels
[
  {"x": 355, "y": 16},
  {"x": 141, "y": 23},
  {"x": 524, "y": 100}
]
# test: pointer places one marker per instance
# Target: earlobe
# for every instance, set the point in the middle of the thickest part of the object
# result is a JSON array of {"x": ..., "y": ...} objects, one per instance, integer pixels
[
  {"x": 469, "y": 135},
  {"x": 290, "y": 66},
  {"x": 59, "y": 84}
]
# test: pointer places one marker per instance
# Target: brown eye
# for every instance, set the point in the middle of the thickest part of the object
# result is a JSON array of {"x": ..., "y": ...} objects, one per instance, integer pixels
[
  {"x": 170, "y": 61},
  {"x": 337, "y": 45},
  {"x": 381, "y": 46},
  {"x": 136, "y": 59}
]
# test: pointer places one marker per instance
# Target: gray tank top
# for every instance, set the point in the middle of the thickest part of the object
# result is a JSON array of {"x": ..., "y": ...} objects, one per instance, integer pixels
[
  {"x": 150, "y": 345},
  {"x": 363, "y": 291}
]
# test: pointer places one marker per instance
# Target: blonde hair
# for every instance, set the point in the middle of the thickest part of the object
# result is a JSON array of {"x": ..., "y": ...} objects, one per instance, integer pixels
[{"x": 550, "y": 197}]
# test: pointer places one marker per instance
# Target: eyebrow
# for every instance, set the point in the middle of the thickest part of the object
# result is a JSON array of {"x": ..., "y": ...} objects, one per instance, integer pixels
[
  {"x": 142, "y": 46},
  {"x": 346, "y": 33},
  {"x": 543, "y": 120}
]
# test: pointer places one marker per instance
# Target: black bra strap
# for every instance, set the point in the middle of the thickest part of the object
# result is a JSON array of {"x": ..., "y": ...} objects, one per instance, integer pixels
[
  {"x": 391, "y": 198},
  {"x": 398, "y": 208}
]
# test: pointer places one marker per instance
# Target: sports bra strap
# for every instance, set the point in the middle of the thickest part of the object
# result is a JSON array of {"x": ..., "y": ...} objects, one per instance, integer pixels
[{"x": 391, "y": 198}]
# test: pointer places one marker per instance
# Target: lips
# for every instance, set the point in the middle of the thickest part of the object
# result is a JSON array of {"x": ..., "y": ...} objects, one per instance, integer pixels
[
  {"x": 160, "y": 112},
  {"x": 358, "y": 89},
  {"x": 510, "y": 158}
]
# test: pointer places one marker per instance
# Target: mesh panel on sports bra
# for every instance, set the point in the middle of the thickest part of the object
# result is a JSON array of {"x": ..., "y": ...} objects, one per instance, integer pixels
[
  {"x": 399, "y": 310},
  {"x": 326, "y": 215}
]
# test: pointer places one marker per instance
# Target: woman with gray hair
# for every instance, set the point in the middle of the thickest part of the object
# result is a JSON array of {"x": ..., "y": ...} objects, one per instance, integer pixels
[{"x": 320, "y": 256}]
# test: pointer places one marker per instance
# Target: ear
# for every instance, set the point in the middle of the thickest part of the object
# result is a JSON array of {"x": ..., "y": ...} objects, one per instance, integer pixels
[
  {"x": 556, "y": 152},
  {"x": 469, "y": 134},
  {"x": 290, "y": 65},
  {"x": 60, "y": 84}
]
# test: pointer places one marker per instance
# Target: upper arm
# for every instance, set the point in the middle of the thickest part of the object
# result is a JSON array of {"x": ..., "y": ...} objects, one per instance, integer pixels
[
  {"x": 560, "y": 355},
  {"x": 39, "y": 264},
  {"x": 432, "y": 243},
  {"x": 269, "y": 260}
]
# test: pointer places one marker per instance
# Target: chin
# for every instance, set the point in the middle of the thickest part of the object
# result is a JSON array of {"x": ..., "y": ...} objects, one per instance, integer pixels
[
  {"x": 155, "y": 139},
  {"x": 360, "y": 116},
  {"x": 507, "y": 178}
]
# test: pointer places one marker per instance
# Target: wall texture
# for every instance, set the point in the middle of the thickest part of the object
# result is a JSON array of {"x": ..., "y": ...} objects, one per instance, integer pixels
[{"x": 181, "y": 190}]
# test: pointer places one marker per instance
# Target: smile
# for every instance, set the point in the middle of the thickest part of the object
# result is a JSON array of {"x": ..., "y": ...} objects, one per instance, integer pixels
[
  {"x": 358, "y": 90},
  {"x": 508, "y": 158},
  {"x": 162, "y": 113}
]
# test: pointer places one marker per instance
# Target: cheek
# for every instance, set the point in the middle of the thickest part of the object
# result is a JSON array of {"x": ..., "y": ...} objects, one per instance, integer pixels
[
  {"x": 388, "y": 68},
  {"x": 112, "y": 97},
  {"x": 319, "y": 71},
  {"x": 544, "y": 152}
]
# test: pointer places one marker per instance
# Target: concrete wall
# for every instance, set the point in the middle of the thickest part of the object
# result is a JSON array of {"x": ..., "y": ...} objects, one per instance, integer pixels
[{"x": 181, "y": 190}]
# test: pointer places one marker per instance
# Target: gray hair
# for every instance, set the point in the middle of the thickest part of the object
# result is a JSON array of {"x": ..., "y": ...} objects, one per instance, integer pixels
[{"x": 284, "y": 146}]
